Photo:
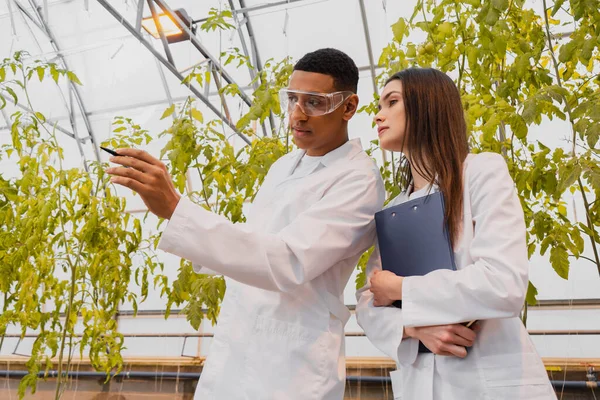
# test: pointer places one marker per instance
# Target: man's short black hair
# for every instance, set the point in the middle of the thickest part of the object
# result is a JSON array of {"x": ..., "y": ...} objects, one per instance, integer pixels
[{"x": 334, "y": 63}]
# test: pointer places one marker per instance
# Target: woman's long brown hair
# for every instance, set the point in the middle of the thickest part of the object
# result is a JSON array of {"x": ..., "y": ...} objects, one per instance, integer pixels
[{"x": 435, "y": 138}]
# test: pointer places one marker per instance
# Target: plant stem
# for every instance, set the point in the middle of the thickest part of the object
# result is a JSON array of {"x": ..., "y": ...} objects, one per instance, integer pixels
[
  {"x": 461, "y": 66},
  {"x": 555, "y": 65},
  {"x": 573, "y": 152},
  {"x": 4, "y": 308},
  {"x": 204, "y": 194},
  {"x": 64, "y": 331},
  {"x": 590, "y": 224}
]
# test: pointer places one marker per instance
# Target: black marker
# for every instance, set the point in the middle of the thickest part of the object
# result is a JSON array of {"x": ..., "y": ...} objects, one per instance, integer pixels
[{"x": 109, "y": 151}]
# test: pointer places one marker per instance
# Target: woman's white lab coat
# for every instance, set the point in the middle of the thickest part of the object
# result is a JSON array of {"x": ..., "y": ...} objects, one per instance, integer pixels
[
  {"x": 489, "y": 285},
  {"x": 280, "y": 333}
]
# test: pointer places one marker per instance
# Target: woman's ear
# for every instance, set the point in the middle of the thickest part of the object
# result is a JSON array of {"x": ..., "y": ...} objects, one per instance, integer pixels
[{"x": 351, "y": 107}]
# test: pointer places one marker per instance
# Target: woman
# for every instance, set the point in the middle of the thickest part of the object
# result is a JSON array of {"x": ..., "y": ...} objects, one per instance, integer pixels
[{"x": 421, "y": 116}]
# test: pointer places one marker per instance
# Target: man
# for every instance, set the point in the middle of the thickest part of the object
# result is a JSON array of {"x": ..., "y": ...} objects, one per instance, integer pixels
[{"x": 281, "y": 329}]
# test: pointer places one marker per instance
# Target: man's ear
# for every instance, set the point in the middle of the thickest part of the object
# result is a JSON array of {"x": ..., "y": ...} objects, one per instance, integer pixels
[{"x": 351, "y": 107}]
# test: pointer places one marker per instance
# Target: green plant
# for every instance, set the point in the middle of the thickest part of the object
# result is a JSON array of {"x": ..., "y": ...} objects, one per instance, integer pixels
[
  {"x": 66, "y": 246},
  {"x": 514, "y": 70},
  {"x": 229, "y": 179}
]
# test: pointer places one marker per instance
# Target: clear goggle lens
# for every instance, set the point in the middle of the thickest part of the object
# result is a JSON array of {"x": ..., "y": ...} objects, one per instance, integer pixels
[{"x": 312, "y": 103}]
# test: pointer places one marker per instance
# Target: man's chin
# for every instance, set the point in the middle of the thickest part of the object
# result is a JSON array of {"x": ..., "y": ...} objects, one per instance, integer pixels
[{"x": 304, "y": 143}]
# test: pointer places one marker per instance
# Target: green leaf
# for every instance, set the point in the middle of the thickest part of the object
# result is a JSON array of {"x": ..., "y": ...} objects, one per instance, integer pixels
[
  {"x": 586, "y": 230},
  {"x": 73, "y": 78},
  {"x": 530, "y": 110},
  {"x": 492, "y": 17},
  {"x": 518, "y": 126},
  {"x": 361, "y": 278},
  {"x": 500, "y": 5},
  {"x": 586, "y": 51},
  {"x": 169, "y": 111},
  {"x": 567, "y": 51},
  {"x": 12, "y": 93},
  {"x": 445, "y": 28},
  {"x": 54, "y": 73},
  {"x": 578, "y": 241},
  {"x": 197, "y": 115},
  {"x": 593, "y": 134},
  {"x": 557, "y": 93},
  {"x": 40, "y": 71},
  {"x": 399, "y": 29},
  {"x": 557, "y": 5},
  {"x": 569, "y": 175},
  {"x": 559, "y": 258},
  {"x": 530, "y": 249},
  {"x": 532, "y": 292}
]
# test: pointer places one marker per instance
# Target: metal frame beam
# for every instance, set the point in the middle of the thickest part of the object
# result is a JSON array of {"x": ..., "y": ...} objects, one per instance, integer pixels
[
  {"x": 50, "y": 122},
  {"x": 69, "y": 108},
  {"x": 164, "y": 83},
  {"x": 196, "y": 43},
  {"x": 104, "y": 111},
  {"x": 26, "y": 13},
  {"x": 251, "y": 70},
  {"x": 74, "y": 127},
  {"x": 254, "y": 48},
  {"x": 175, "y": 99},
  {"x": 161, "y": 33},
  {"x": 221, "y": 95},
  {"x": 167, "y": 64},
  {"x": 365, "y": 23},
  {"x": 77, "y": 95},
  {"x": 6, "y": 119},
  {"x": 139, "y": 16},
  {"x": 245, "y": 10}
]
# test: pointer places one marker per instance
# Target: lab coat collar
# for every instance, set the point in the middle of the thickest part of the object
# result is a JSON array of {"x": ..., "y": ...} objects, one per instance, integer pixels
[{"x": 346, "y": 151}]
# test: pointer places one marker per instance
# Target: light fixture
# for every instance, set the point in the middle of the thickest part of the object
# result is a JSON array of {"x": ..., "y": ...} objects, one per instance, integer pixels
[{"x": 173, "y": 32}]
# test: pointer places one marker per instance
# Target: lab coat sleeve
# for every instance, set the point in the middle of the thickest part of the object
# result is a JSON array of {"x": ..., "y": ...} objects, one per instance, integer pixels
[
  {"x": 199, "y": 269},
  {"x": 336, "y": 227},
  {"x": 494, "y": 285},
  {"x": 384, "y": 325}
]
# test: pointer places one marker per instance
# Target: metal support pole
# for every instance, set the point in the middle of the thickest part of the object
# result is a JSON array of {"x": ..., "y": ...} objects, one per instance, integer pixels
[
  {"x": 245, "y": 10},
  {"x": 72, "y": 86},
  {"x": 169, "y": 66},
  {"x": 247, "y": 54},
  {"x": 139, "y": 16},
  {"x": 365, "y": 24},
  {"x": 196, "y": 43},
  {"x": 257, "y": 60},
  {"x": 161, "y": 33}
]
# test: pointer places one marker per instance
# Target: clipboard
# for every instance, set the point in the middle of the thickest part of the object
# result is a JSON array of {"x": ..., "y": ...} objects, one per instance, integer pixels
[
  {"x": 413, "y": 237},
  {"x": 414, "y": 240}
]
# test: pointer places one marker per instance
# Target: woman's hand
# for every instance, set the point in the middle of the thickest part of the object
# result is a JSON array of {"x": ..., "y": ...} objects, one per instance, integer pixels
[
  {"x": 445, "y": 340},
  {"x": 386, "y": 288}
]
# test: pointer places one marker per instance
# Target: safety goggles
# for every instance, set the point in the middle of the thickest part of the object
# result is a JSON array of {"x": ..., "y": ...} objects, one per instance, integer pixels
[{"x": 312, "y": 104}]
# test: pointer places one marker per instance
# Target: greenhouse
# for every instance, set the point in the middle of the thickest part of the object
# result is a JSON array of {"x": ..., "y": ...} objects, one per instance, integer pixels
[{"x": 299, "y": 199}]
